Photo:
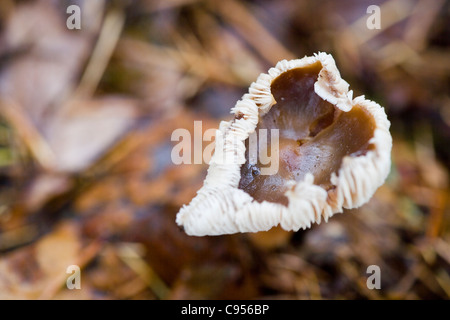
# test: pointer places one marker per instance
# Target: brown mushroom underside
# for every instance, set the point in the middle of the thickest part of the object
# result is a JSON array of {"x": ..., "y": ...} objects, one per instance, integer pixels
[{"x": 314, "y": 136}]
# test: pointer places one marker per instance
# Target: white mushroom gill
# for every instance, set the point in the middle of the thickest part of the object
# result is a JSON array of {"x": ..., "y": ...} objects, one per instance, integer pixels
[{"x": 334, "y": 152}]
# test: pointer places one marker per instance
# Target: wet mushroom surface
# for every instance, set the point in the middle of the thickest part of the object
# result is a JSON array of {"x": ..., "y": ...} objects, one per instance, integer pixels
[{"x": 314, "y": 137}]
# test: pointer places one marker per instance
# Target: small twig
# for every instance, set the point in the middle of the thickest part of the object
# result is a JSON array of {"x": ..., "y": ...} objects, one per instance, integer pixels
[
  {"x": 29, "y": 134},
  {"x": 133, "y": 258},
  {"x": 104, "y": 48},
  {"x": 245, "y": 23}
]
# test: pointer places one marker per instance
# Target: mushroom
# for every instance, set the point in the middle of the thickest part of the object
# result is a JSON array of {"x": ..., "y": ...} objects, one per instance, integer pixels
[{"x": 333, "y": 153}]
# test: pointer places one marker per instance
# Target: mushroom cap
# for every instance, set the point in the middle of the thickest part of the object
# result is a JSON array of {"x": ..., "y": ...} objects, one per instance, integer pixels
[{"x": 224, "y": 206}]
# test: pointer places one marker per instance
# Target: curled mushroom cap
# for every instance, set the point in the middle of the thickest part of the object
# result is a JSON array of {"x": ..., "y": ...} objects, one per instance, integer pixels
[{"x": 332, "y": 152}]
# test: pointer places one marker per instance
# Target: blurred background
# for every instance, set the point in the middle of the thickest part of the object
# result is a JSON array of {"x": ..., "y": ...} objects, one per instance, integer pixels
[{"x": 86, "y": 178}]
